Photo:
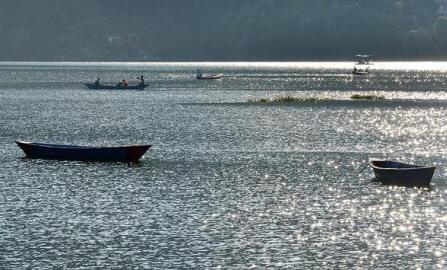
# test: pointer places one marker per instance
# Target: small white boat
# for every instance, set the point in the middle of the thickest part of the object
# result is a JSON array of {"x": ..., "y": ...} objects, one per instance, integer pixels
[
  {"x": 361, "y": 68},
  {"x": 201, "y": 76}
]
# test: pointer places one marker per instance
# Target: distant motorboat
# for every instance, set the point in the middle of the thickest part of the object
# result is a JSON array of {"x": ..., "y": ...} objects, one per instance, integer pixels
[
  {"x": 361, "y": 68},
  {"x": 94, "y": 86},
  {"x": 398, "y": 173},
  {"x": 129, "y": 153},
  {"x": 210, "y": 77},
  {"x": 201, "y": 76}
]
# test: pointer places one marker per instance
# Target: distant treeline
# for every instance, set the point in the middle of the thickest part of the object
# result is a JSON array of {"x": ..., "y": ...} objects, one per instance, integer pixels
[{"x": 141, "y": 30}]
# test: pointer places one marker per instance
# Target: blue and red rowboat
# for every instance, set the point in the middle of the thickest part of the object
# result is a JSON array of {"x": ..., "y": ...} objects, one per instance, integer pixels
[{"x": 131, "y": 153}]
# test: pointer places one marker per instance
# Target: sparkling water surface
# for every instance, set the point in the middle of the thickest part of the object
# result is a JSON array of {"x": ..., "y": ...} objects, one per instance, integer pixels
[{"x": 229, "y": 183}]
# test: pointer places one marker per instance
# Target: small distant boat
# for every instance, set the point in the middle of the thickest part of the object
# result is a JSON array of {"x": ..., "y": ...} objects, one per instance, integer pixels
[
  {"x": 210, "y": 77},
  {"x": 131, "y": 153},
  {"x": 94, "y": 86},
  {"x": 201, "y": 76},
  {"x": 361, "y": 68},
  {"x": 398, "y": 173}
]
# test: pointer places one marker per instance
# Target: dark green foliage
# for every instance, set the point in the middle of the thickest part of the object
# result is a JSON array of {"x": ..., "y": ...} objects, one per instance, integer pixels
[
  {"x": 220, "y": 30},
  {"x": 367, "y": 97},
  {"x": 289, "y": 98},
  {"x": 440, "y": 31}
]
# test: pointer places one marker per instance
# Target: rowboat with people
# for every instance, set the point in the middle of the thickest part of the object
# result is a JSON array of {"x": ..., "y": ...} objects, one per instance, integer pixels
[
  {"x": 93, "y": 86},
  {"x": 122, "y": 85}
]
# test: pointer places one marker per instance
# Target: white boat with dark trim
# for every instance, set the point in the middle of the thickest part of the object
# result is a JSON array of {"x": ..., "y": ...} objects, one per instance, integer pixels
[
  {"x": 361, "y": 67},
  {"x": 201, "y": 76}
]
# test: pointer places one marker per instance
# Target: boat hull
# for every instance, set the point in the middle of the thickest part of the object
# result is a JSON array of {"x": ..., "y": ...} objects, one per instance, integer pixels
[
  {"x": 93, "y": 86},
  {"x": 130, "y": 153},
  {"x": 360, "y": 73},
  {"x": 210, "y": 77},
  {"x": 397, "y": 173}
]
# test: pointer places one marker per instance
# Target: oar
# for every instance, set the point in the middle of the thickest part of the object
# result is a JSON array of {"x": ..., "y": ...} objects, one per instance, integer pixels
[{"x": 364, "y": 168}]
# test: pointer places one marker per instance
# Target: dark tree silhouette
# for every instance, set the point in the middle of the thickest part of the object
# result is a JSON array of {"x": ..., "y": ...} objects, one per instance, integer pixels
[{"x": 141, "y": 30}]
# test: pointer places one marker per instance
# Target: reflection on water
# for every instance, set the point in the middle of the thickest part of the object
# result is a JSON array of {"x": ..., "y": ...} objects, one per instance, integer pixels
[{"x": 228, "y": 184}]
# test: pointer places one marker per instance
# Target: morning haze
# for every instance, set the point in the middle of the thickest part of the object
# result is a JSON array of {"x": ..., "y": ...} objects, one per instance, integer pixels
[{"x": 230, "y": 30}]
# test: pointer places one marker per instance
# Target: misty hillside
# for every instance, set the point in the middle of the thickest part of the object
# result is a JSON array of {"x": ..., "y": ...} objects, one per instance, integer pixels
[{"x": 142, "y": 30}]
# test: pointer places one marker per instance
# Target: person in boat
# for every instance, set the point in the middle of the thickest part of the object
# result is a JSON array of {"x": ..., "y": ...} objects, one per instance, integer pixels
[
  {"x": 141, "y": 80},
  {"x": 355, "y": 69},
  {"x": 97, "y": 82},
  {"x": 199, "y": 74},
  {"x": 122, "y": 83}
]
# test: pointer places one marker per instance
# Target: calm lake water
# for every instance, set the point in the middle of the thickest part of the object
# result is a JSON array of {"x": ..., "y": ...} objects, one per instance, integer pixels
[{"x": 229, "y": 183}]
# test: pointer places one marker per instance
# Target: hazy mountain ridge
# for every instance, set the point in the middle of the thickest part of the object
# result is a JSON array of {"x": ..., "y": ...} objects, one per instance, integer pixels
[{"x": 112, "y": 30}]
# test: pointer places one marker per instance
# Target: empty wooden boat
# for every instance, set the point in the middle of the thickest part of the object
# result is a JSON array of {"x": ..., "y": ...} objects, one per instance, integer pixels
[
  {"x": 398, "y": 173},
  {"x": 130, "y": 153}
]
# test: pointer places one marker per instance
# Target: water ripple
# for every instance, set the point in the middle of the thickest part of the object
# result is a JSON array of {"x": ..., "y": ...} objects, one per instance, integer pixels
[{"x": 227, "y": 184}]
